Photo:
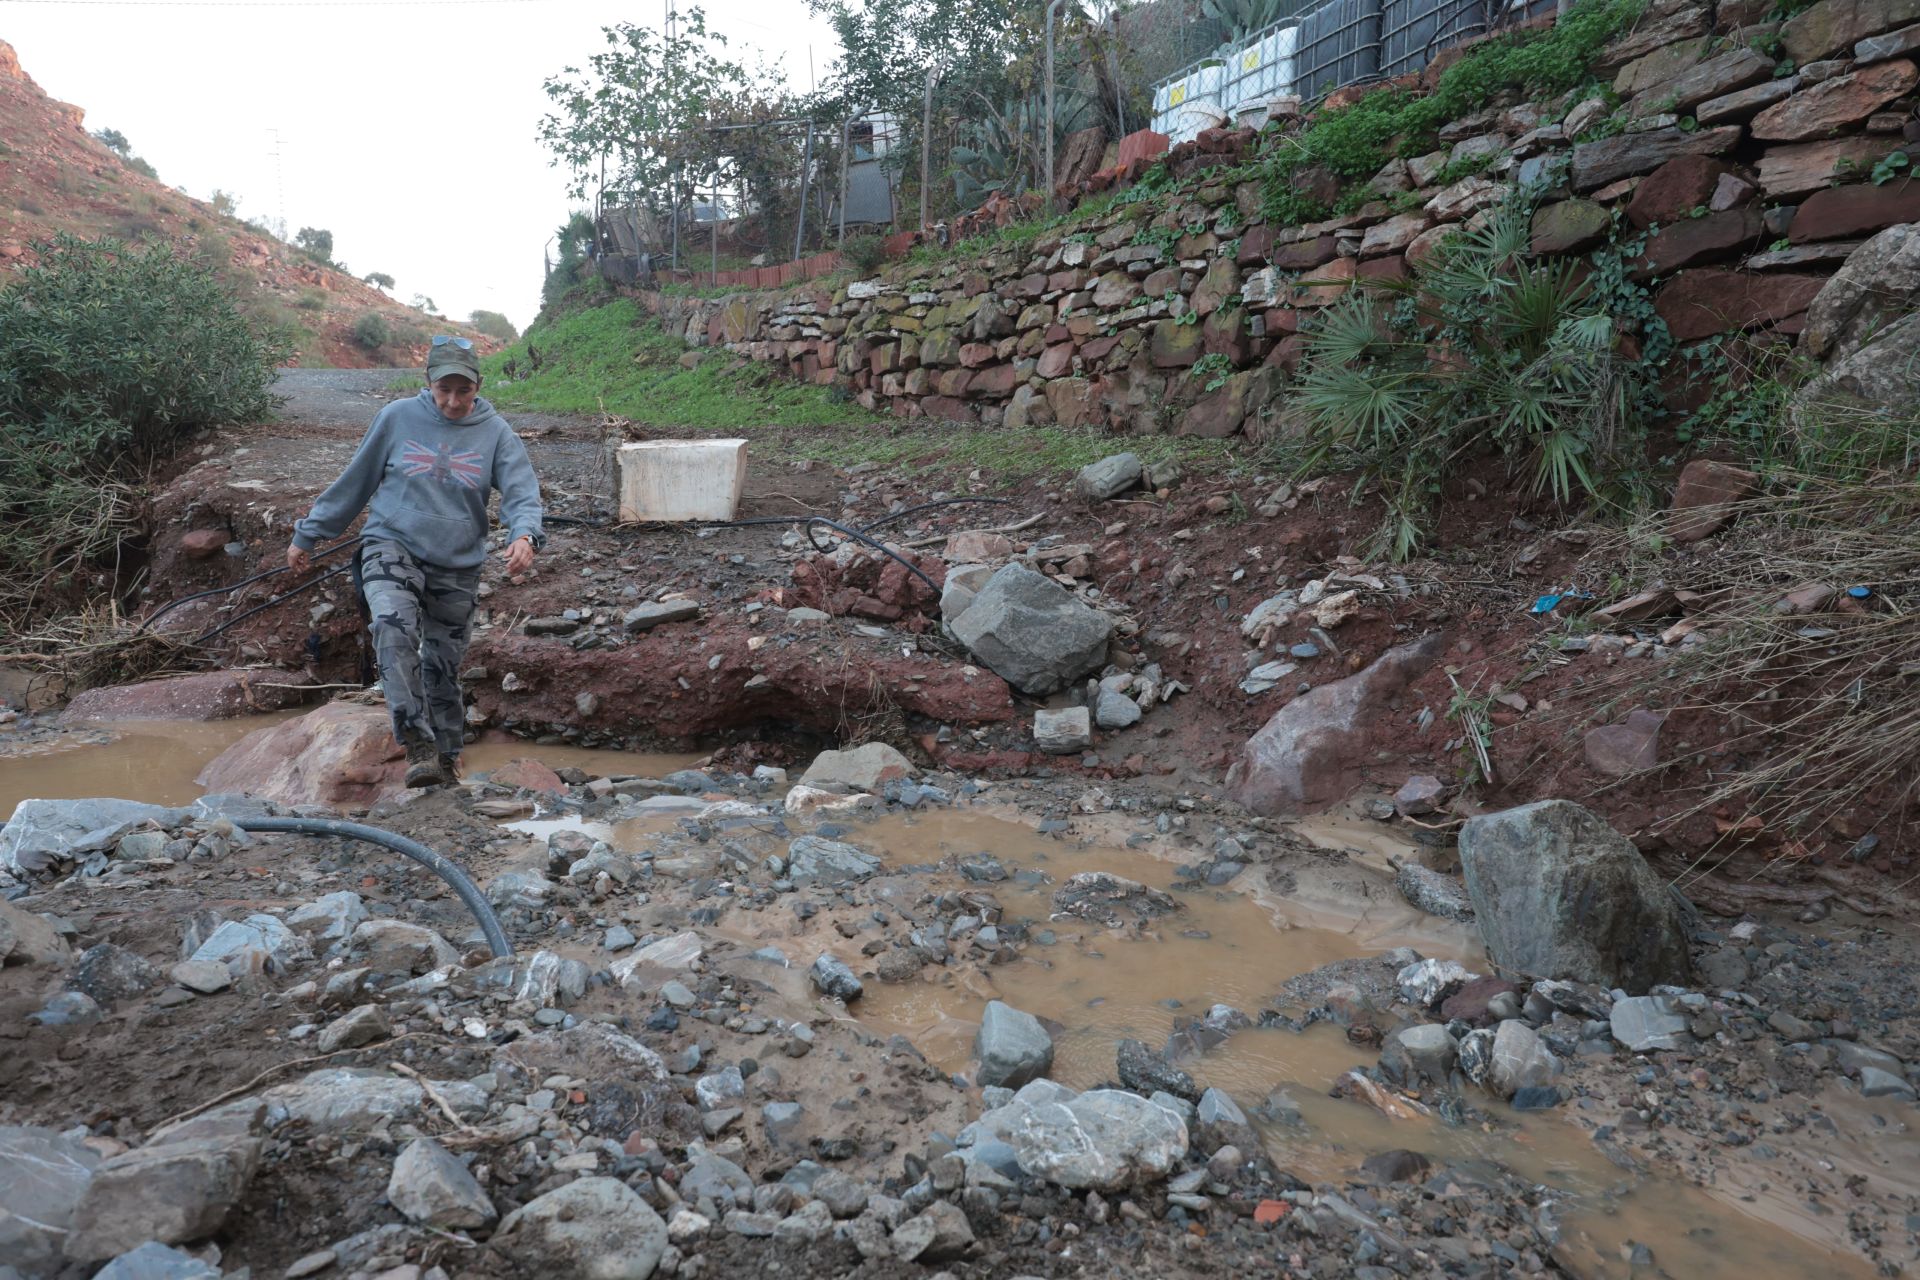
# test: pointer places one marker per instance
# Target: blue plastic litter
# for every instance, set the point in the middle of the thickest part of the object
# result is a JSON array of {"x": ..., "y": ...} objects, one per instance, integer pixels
[
  {"x": 1859, "y": 593},
  {"x": 1551, "y": 601}
]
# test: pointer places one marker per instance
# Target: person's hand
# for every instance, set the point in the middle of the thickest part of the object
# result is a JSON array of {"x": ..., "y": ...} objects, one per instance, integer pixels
[
  {"x": 520, "y": 556},
  {"x": 299, "y": 561}
]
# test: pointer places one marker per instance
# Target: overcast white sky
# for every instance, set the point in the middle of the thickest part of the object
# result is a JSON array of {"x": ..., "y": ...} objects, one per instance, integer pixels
[{"x": 405, "y": 129}]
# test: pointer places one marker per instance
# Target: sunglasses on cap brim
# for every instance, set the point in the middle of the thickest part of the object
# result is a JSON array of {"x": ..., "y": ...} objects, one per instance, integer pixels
[{"x": 441, "y": 340}]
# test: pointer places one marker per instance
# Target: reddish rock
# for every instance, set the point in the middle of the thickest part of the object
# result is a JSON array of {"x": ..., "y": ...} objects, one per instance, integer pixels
[
  {"x": 1835, "y": 25},
  {"x": 208, "y": 695},
  {"x": 1840, "y": 213},
  {"x": 342, "y": 755},
  {"x": 204, "y": 544},
  {"x": 976, "y": 546},
  {"x": 1674, "y": 189},
  {"x": 1707, "y": 300},
  {"x": 1310, "y": 754},
  {"x": 1225, "y": 333},
  {"x": 1055, "y": 361},
  {"x": 1825, "y": 109},
  {"x": 1621, "y": 749},
  {"x": 1569, "y": 226},
  {"x": 1691, "y": 240},
  {"x": 973, "y": 355},
  {"x": 527, "y": 775},
  {"x": 1746, "y": 102},
  {"x": 1073, "y": 402},
  {"x": 1700, "y": 498},
  {"x": 1716, "y": 77},
  {"x": 1789, "y": 172},
  {"x": 947, "y": 408},
  {"x": 1393, "y": 268},
  {"x": 1324, "y": 287},
  {"x": 1469, "y": 1003},
  {"x": 1395, "y": 234},
  {"x": 1268, "y": 1212},
  {"x": 1255, "y": 244},
  {"x": 1175, "y": 345},
  {"x": 1595, "y": 164},
  {"x": 995, "y": 382},
  {"x": 1303, "y": 255},
  {"x": 1287, "y": 353}
]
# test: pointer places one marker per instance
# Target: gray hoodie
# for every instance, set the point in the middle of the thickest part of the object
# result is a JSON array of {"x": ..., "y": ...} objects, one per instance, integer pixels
[{"x": 427, "y": 478}]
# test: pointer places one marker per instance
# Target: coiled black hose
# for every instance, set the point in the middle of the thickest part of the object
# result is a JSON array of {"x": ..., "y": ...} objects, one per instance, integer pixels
[{"x": 470, "y": 894}]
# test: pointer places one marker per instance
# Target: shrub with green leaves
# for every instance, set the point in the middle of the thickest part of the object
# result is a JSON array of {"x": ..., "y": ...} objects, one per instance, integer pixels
[
  {"x": 494, "y": 325},
  {"x": 109, "y": 349},
  {"x": 371, "y": 331},
  {"x": 863, "y": 252},
  {"x": 110, "y": 355},
  {"x": 1482, "y": 350}
]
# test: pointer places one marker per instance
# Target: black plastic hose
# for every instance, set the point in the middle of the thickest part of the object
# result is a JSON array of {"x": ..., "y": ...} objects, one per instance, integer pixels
[
  {"x": 469, "y": 893},
  {"x": 171, "y": 605}
]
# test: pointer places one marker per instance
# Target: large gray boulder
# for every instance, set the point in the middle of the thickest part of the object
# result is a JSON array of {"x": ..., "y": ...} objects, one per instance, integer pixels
[
  {"x": 172, "y": 1192},
  {"x": 1012, "y": 1046},
  {"x": 1309, "y": 754},
  {"x": 1560, "y": 894},
  {"x": 592, "y": 1229},
  {"x": 43, "y": 1175},
  {"x": 431, "y": 1186},
  {"x": 1032, "y": 631},
  {"x": 1104, "y": 1138},
  {"x": 43, "y": 832},
  {"x": 1881, "y": 375},
  {"x": 1878, "y": 283}
]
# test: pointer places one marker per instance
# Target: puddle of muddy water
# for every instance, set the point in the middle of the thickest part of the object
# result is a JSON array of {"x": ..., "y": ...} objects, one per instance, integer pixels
[
  {"x": 1101, "y": 985},
  {"x": 155, "y": 761}
]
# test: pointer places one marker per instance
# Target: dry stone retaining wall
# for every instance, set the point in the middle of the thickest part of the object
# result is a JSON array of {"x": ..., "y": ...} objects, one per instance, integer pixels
[{"x": 1752, "y": 178}]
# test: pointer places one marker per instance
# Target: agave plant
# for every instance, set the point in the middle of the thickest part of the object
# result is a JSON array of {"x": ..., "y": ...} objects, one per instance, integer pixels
[{"x": 1482, "y": 350}]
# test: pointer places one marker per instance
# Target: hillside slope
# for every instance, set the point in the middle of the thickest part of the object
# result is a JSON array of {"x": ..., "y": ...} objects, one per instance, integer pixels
[{"x": 55, "y": 176}]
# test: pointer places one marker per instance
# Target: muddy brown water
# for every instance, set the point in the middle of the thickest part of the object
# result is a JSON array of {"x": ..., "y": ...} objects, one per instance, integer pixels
[{"x": 1233, "y": 945}]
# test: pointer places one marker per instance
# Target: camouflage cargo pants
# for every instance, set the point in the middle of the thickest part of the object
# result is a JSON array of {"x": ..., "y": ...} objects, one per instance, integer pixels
[{"x": 422, "y": 619}]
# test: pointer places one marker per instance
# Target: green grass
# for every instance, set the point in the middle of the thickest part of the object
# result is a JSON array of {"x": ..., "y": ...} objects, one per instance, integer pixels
[{"x": 613, "y": 359}]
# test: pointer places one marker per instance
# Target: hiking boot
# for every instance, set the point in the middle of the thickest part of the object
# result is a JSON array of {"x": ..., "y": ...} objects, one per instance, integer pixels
[
  {"x": 423, "y": 766},
  {"x": 450, "y": 766}
]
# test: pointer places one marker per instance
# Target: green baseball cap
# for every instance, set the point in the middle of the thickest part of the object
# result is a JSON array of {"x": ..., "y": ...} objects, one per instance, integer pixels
[{"x": 451, "y": 355}]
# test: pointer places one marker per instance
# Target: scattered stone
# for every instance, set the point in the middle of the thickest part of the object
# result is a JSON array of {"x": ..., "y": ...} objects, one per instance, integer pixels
[
  {"x": 365, "y": 1025},
  {"x": 811, "y": 860},
  {"x": 1419, "y": 1054},
  {"x": 1518, "y": 1060},
  {"x": 108, "y": 974},
  {"x": 1434, "y": 893},
  {"x": 1146, "y": 1072},
  {"x": 939, "y": 1233},
  {"x": 1032, "y": 632},
  {"x": 833, "y": 978},
  {"x": 1646, "y": 1023},
  {"x": 865, "y": 768},
  {"x": 330, "y": 918},
  {"x": 1619, "y": 750},
  {"x": 202, "y": 977},
  {"x": 43, "y": 1176},
  {"x": 1103, "y": 898},
  {"x": 43, "y": 832},
  {"x": 1068, "y": 731},
  {"x": 1308, "y": 755},
  {"x": 596, "y": 1228},
  {"x": 259, "y": 944},
  {"x": 430, "y": 1186},
  {"x": 156, "y": 1261},
  {"x": 1108, "y": 477},
  {"x": 1703, "y": 498},
  {"x": 1013, "y": 1047},
  {"x": 1114, "y": 710},
  {"x": 1556, "y": 891},
  {"x": 172, "y": 1192},
  {"x": 1105, "y": 1139},
  {"x": 1875, "y": 1083},
  {"x": 647, "y": 616},
  {"x": 1426, "y": 983},
  {"x": 1395, "y": 1166},
  {"x": 26, "y": 938}
]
